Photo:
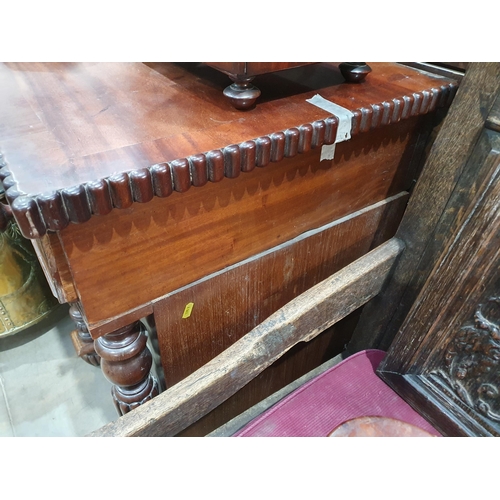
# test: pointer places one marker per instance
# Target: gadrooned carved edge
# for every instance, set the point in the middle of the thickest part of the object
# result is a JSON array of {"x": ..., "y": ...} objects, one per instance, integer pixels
[{"x": 37, "y": 214}]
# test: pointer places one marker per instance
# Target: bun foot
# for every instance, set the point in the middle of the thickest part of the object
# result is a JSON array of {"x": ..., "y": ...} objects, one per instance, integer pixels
[
  {"x": 242, "y": 94},
  {"x": 354, "y": 72}
]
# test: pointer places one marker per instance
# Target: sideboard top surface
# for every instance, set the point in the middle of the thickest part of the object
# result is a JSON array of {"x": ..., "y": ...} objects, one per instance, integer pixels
[{"x": 63, "y": 125}]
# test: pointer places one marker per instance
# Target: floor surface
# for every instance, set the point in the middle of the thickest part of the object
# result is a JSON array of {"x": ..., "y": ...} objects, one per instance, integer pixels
[{"x": 45, "y": 389}]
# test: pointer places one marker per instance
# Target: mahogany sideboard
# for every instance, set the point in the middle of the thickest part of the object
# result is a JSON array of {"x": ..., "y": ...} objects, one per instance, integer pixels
[{"x": 153, "y": 205}]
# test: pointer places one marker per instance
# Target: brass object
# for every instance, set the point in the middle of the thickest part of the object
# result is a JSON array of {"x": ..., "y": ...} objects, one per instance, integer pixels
[{"x": 25, "y": 297}]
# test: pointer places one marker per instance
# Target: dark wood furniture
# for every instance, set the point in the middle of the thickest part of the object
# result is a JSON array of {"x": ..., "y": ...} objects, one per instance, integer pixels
[
  {"x": 445, "y": 358},
  {"x": 151, "y": 202},
  {"x": 242, "y": 94}
]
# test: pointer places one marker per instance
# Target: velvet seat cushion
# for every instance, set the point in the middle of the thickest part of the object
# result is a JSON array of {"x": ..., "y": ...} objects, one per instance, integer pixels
[{"x": 346, "y": 391}]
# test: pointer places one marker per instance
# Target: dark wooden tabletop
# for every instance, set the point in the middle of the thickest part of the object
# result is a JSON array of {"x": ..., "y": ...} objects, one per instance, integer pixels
[{"x": 63, "y": 125}]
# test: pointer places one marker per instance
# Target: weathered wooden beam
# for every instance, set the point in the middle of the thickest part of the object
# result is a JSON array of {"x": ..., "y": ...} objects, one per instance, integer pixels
[{"x": 302, "y": 319}]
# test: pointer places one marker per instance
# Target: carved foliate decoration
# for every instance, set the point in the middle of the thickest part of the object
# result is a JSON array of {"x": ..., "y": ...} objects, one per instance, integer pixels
[{"x": 472, "y": 361}]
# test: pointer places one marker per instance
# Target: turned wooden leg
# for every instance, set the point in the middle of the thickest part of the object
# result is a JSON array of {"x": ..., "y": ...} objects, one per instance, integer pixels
[
  {"x": 242, "y": 94},
  {"x": 354, "y": 72},
  {"x": 126, "y": 362},
  {"x": 82, "y": 341}
]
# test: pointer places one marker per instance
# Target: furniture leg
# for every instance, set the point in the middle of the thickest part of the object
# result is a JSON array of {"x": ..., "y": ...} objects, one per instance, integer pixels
[
  {"x": 126, "y": 362},
  {"x": 242, "y": 94},
  {"x": 82, "y": 341},
  {"x": 354, "y": 72}
]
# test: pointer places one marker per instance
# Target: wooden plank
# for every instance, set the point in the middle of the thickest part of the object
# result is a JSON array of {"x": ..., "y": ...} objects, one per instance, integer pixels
[
  {"x": 300, "y": 320},
  {"x": 470, "y": 259},
  {"x": 447, "y": 177}
]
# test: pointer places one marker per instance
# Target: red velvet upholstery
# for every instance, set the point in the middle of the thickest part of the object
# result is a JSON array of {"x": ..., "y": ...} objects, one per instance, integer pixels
[{"x": 348, "y": 390}]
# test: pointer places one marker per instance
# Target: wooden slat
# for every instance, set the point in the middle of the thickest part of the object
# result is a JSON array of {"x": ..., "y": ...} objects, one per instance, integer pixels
[{"x": 300, "y": 320}]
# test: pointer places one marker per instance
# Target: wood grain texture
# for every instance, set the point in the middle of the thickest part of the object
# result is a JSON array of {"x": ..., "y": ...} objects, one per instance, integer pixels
[
  {"x": 449, "y": 342},
  {"x": 300, "y": 320},
  {"x": 493, "y": 121},
  {"x": 55, "y": 266},
  {"x": 424, "y": 398},
  {"x": 471, "y": 257},
  {"x": 189, "y": 235},
  {"x": 448, "y": 176},
  {"x": 75, "y": 124},
  {"x": 230, "y": 303}
]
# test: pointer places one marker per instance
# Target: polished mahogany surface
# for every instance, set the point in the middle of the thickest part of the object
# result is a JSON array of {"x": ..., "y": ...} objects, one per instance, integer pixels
[{"x": 64, "y": 125}]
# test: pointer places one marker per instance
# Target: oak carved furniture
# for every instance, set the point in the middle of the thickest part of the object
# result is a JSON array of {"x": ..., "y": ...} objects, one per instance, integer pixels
[
  {"x": 153, "y": 205},
  {"x": 445, "y": 357}
]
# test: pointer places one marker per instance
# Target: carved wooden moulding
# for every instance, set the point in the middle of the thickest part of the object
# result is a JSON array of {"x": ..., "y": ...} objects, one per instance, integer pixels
[
  {"x": 472, "y": 360},
  {"x": 36, "y": 214}
]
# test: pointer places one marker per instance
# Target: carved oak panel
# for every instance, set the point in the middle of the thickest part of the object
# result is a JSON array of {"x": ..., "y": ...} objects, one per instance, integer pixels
[{"x": 446, "y": 358}]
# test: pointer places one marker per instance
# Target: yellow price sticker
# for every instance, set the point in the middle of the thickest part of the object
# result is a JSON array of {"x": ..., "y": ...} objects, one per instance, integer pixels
[{"x": 187, "y": 310}]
